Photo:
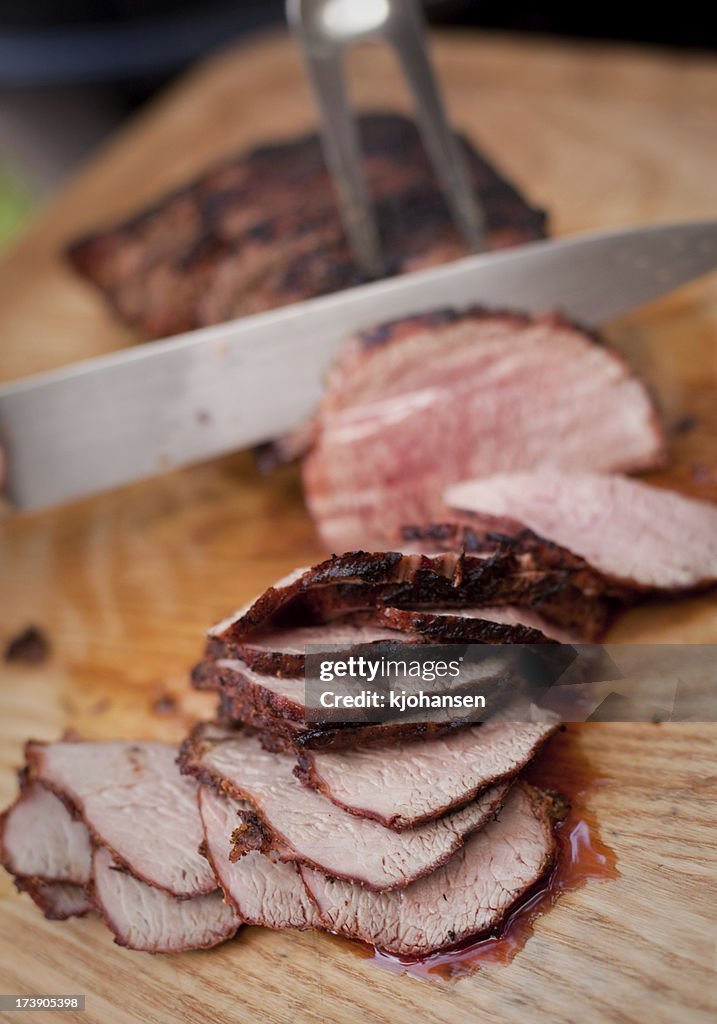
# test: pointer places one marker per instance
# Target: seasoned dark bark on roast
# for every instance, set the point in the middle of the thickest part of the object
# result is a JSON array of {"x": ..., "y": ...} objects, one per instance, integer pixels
[
  {"x": 458, "y": 626},
  {"x": 279, "y": 652},
  {"x": 285, "y": 736},
  {"x": 263, "y": 230},
  {"x": 359, "y": 581},
  {"x": 583, "y": 598},
  {"x": 424, "y": 598},
  {"x": 268, "y": 707},
  {"x": 484, "y": 535}
]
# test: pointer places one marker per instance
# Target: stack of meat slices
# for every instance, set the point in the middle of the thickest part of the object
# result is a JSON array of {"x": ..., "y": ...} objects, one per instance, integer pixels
[
  {"x": 255, "y": 659},
  {"x": 114, "y": 827},
  {"x": 406, "y": 836},
  {"x": 409, "y": 836},
  {"x": 411, "y": 868}
]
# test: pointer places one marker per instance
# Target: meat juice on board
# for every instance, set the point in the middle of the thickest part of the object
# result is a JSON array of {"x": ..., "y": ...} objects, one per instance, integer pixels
[{"x": 582, "y": 856}]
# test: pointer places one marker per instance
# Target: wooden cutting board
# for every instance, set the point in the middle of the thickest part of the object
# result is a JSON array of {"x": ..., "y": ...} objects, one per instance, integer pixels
[{"x": 124, "y": 584}]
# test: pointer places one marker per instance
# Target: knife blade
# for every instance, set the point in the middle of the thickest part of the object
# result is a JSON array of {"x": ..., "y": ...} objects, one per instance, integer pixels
[{"x": 108, "y": 421}]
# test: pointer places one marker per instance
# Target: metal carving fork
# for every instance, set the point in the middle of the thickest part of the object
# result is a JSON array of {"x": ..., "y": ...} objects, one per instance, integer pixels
[{"x": 325, "y": 29}]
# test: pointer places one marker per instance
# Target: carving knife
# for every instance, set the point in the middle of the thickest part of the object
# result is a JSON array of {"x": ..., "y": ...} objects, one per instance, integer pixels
[{"x": 138, "y": 412}]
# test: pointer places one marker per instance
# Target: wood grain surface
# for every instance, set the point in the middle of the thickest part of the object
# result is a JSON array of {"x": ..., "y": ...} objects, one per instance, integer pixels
[{"x": 124, "y": 584}]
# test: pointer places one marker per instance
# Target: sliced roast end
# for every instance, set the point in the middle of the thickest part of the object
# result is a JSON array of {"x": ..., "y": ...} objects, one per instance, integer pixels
[
  {"x": 144, "y": 918},
  {"x": 466, "y": 898}
]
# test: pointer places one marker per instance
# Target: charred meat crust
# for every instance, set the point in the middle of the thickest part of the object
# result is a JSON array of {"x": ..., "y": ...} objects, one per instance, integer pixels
[
  {"x": 282, "y": 736},
  {"x": 411, "y": 628},
  {"x": 250, "y": 836},
  {"x": 478, "y": 532},
  {"x": 282, "y": 728},
  {"x": 392, "y": 588},
  {"x": 360, "y": 580},
  {"x": 583, "y": 596},
  {"x": 398, "y": 330},
  {"x": 246, "y": 696},
  {"x": 263, "y": 230},
  {"x": 450, "y": 626},
  {"x": 262, "y": 659}
]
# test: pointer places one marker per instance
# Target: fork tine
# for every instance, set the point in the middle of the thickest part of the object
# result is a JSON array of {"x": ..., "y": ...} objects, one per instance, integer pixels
[
  {"x": 342, "y": 152},
  {"x": 408, "y": 38},
  {"x": 323, "y": 58},
  {"x": 324, "y": 28}
]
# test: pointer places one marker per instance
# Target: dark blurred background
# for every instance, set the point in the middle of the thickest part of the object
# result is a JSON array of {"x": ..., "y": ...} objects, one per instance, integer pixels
[{"x": 71, "y": 70}]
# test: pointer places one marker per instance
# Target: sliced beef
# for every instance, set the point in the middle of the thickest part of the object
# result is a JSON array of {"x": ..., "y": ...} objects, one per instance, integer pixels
[
  {"x": 473, "y": 535},
  {"x": 143, "y": 917},
  {"x": 134, "y": 801},
  {"x": 280, "y": 652},
  {"x": 637, "y": 535},
  {"x": 57, "y": 900},
  {"x": 437, "y": 598},
  {"x": 406, "y": 783},
  {"x": 299, "y": 824},
  {"x": 263, "y": 889},
  {"x": 416, "y": 405},
  {"x": 333, "y": 589},
  {"x": 283, "y": 735},
  {"x": 507, "y": 625},
  {"x": 132, "y": 797},
  {"x": 269, "y": 697},
  {"x": 275, "y": 709},
  {"x": 583, "y": 601},
  {"x": 468, "y": 896},
  {"x": 263, "y": 230},
  {"x": 40, "y": 840},
  {"x": 360, "y": 582},
  {"x": 47, "y": 852}
]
